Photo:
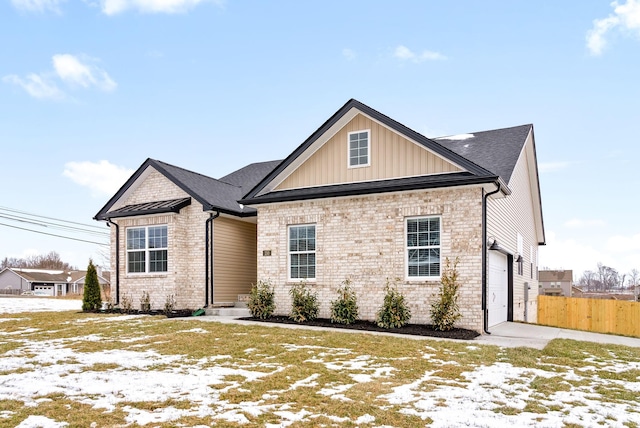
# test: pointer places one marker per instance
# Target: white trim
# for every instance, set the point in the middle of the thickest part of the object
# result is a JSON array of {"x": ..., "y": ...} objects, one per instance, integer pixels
[
  {"x": 146, "y": 250},
  {"x": 406, "y": 249},
  {"x": 315, "y": 231},
  {"x": 349, "y": 166}
]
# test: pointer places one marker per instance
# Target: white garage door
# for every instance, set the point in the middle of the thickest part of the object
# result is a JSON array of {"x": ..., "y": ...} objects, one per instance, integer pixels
[{"x": 498, "y": 296}]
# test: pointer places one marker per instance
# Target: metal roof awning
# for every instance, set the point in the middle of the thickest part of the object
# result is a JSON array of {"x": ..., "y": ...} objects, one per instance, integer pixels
[{"x": 146, "y": 208}]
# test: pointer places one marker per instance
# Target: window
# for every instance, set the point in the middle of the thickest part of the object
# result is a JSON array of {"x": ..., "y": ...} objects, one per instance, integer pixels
[
  {"x": 423, "y": 247},
  {"x": 358, "y": 148},
  {"x": 302, "y": 252},
  {"x": 147, "y": 249}
]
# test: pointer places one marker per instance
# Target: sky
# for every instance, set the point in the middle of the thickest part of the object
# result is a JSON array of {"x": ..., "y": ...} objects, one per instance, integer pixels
[{"x": 90, "y": 89}]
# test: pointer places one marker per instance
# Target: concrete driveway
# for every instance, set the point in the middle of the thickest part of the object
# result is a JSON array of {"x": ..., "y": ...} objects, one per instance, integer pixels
[{"x": 513, "y": 335}]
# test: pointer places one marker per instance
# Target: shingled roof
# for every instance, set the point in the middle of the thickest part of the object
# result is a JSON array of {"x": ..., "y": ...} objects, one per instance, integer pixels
[
  {"x": 214, "y": 194},
  {"x": 497, "y": 150}
]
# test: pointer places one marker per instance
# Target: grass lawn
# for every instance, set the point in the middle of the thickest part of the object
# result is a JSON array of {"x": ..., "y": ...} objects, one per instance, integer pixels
[{"x": 72, "y": 369}]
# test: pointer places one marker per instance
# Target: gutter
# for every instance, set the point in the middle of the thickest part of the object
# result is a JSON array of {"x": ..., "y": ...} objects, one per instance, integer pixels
[
  {"x": 108, "y": 220},
  {"x": 208, "y": 253},
  {"x": 485, "y": 317}
]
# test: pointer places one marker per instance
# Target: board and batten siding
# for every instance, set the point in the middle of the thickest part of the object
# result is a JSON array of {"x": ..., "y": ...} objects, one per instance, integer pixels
[
  {"x": 235, "y": 263},
  {"x": 391, "y": 156},
  {"x": 506, "y": 218}
]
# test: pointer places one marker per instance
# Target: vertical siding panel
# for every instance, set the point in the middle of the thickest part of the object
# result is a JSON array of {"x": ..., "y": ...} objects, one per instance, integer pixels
[
  {"x": 235, "y": 263},
  {"x": 392, "y": 156}
]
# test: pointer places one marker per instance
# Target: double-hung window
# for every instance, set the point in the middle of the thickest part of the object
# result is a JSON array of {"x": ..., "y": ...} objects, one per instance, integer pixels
[
  {"x": 359, "y": 148},
  {"x": 302, "y": 252},
  {"x": 423, "y": 247},
  {"x": 147, "y": 249}
]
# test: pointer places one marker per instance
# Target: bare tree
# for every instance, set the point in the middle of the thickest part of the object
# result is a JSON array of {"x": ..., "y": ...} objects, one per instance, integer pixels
[{"x": 47, "y": 261}]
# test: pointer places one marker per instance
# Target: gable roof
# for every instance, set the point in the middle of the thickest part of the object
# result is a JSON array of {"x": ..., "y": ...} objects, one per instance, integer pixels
[
  {"x": 50, "y": 276},
  {"x": 213, "y": 194},
  {"x": 497, "y": 150},
  {"x": 475, "y": 172}
]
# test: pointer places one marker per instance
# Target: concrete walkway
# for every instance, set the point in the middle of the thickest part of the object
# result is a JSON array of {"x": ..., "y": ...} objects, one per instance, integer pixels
[
  {"x": 512, "y": 335},
  {"x": 508, "y": 334}
]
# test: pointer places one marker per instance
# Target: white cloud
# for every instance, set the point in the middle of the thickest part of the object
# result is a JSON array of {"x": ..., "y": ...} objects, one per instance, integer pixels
[
  {"x": 577, "y": 223},
  {"x": 36, "y": 85},
  {"x": 625, "y": 17},
  {"x": 102, "y": 177},
  {"x": 552, "y": 166},
  {"x": 405, "y": 54},
  {"x": 67, "y": 69},
  {"x": 37, "y": 5},
  {"x": 348, "y": 54},
  {"x": 621, "y": 243},
  {"x": 113, "y": 7},
  {"x": 76, "y": 73},
  {"x": 574, "y": 255}
]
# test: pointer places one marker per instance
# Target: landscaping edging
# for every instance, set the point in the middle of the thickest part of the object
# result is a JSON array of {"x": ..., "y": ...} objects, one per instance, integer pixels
[{"x": 409, "y": 329}]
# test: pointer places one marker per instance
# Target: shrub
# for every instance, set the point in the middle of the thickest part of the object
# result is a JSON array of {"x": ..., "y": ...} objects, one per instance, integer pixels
[
  {"x": 169, "y": 304},
  {"x": 91, "y": 299},
  {"x": 305, "y": 304},
  {"x": 394, "y": 312},
  {"x": 145, "y": 302},
  {"x": 261, "y": 302},
  {"x": 445, "y": 311},
  {"x": 345, "y": 309},
  {"x": 126, "y": 303}
]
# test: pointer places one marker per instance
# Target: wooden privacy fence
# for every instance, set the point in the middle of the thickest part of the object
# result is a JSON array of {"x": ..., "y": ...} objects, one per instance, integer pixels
[{"x": 597, "y": 315}]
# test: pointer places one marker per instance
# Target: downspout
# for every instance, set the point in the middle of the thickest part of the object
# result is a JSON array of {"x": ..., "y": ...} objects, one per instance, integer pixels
[
  {"x": 208, "y": 253},
  {"x": 117, "y": 302},
  {"x": 485, "y": 318}
]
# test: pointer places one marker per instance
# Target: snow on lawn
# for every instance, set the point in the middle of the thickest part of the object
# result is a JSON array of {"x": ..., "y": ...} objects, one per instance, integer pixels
[
  {"x": 493, "y": 395},
  {"x": 14, "y": 305}
]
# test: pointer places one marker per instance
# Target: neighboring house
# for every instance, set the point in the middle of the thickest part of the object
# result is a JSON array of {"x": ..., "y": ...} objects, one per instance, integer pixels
[
  {"x": 556, "y": 282},
  {"x": 51, "y": 282},
  {"x": 364, "y": 198}
]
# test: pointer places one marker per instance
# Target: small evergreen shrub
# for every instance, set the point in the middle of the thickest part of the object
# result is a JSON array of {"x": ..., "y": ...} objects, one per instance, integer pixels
[
  {"x": 394, "y": 312},
  {"x": 169, "y": 304},
  {"x": 445, "y": 311},
  {"x": 145, "y": 302},
  {"x": 91, "y": 298},
  {"x": 305, "y": 305},
  {"x": 261, "y": 300},
  {"x": 345, "y": 309},
  {"x": 126, "y": 303}
]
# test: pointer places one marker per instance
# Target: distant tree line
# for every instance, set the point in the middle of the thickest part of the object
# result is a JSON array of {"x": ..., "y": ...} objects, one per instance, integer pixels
[
  {"x": 48, "y": 261},
  {"x": 606, "y": 278}
]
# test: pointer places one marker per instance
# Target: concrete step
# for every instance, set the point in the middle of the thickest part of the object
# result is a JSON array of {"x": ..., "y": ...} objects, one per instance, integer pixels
[{"x": 228, "y": 312}]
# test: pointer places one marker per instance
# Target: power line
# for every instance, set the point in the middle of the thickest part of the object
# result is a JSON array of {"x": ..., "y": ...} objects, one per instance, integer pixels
[
  {"x": 52, "y": 234},
  {"x": 50, "y": 218},
  {"x": 48, "y": 224}
]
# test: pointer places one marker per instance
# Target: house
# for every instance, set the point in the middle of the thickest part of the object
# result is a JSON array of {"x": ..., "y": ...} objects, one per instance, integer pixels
[
  {"x": 47, "y": 281},
  {"x": 364, "y": 198},
  {"x": 178, "y": 233},
  {"x": 556, "y": 282}
]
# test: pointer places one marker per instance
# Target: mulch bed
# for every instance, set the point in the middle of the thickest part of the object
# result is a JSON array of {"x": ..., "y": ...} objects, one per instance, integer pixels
[{"x": 410, "y": 329}]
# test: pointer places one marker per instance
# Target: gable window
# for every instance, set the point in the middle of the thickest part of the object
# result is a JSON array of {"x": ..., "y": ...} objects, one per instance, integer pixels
[
  {"x": 147, "y": 249},
  {"x": 302, "y": 252},
  {"x": 359, "y": 148},
  {"x": 423, "y": 247}
]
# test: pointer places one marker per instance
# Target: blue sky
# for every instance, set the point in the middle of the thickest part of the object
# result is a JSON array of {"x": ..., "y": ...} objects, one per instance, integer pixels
[{"x": 90, "y": 89}]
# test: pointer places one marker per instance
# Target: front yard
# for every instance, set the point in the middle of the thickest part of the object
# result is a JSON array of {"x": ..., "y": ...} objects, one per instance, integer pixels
[{"x": 72, "y": 369}]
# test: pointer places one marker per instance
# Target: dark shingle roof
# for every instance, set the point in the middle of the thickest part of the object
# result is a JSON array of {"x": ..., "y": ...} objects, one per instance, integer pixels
[
  {"x": 213, "y": 194},
  {"x": 497, "y": 150}
]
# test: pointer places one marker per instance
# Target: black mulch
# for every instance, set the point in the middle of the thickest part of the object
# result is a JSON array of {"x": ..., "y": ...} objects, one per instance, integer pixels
[{"x": 411, "y": 329}]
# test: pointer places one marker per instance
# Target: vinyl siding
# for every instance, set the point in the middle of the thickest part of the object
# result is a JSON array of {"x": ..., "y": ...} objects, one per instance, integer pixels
[
  {"x": 234, "y": 268},
  {"x": 506, "y": 217},
  {"x": 391, "y": 156}
]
